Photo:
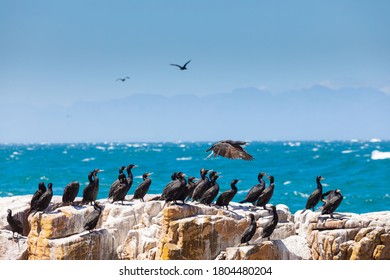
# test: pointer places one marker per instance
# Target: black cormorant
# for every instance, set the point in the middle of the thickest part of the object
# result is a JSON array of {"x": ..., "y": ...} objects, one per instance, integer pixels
[
  {"x": 174, "y": 190},
  {"x": 15, "y": 224},
  {"x": 189, "y": 189},
  {"x": 211, "y": 193},
  {"x": 45, "y": 199},
  {"x": 116, "y": 182},
  {"x": 229, "y": 149},
  {"x": 70, "y": 192},
  {"x": 227, "y": 196},
  {"x": 270, "y": 226},
  {"x": 143, "y": 188},
  {"x": 256, "y": 190},
  {"x": 90, "y": 192},
  {"x": 250, "y": 231},
  {"x": 174, "y": 178},
  {"x": 184, "y": 67},
  {"x": 266, "y": 195},
  {"x": 129, "y": 176},
  {"x": 332, "y": 201},
  {"x": 183, "y": 193},
  {"x": 93, "y": 218},
  {"x": 201, "y": 185},
  {"x": 120, "y": 191},
  {"x": 315, "y": 196},
  {"x": 41, "y": 190}
]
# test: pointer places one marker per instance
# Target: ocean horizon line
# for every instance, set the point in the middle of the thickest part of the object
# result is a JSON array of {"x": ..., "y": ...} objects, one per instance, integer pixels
[{"x": 372, "y": 140}]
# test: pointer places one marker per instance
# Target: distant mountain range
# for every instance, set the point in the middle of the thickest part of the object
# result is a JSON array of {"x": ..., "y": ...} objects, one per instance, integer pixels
[{"x": 249, "y": 114}]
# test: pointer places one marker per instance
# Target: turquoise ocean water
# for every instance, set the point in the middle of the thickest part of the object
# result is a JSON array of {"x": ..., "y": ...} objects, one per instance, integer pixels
[{"x": 360, "y": 169}]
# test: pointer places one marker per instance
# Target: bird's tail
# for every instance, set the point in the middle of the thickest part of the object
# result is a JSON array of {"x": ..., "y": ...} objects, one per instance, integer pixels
[
  {"x": 209, "y": 156},
  {"x": 155, "y": 198}
]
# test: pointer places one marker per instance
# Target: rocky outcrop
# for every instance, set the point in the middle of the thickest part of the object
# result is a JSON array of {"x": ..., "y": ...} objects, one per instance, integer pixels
[
  {"x": 347, "y": 236},
  {"x": 147, "y": 230}
]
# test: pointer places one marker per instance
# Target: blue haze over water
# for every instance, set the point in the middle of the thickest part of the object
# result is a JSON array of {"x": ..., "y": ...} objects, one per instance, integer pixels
[{"x": 360, "y": 169}]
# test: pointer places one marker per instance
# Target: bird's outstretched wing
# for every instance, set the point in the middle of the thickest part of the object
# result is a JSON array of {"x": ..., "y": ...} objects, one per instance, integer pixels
[
  {"x": 176, "y": 65},
  {"x": 225, "y": 149},
  {"x": 184, "y": 66}
]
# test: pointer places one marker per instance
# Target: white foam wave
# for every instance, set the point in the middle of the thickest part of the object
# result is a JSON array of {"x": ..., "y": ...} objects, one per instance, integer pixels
[
  {"x": 347, "y": 151},
  {"x": 300, "y": 194},
  {"x": 293, "y": 144},
  {"x": 88, "y": 159},
  {"x": 43, "y": 178},
  {"x": 242, "y": 191},
  {"x": 184, "y": 158},
  {"x": 315, "y": 149},
  {"x": 375, "y": 155},
  {"x": 375, "y": 140},
  {"x": 316, "y": 156},
  {"x": 7, "y": 193},
  {"x": 156, "y": 150},
  {"x": 100, "y": 148},
  {"x": 138, "y": 177},
  {"x": 287, "y": 183}
]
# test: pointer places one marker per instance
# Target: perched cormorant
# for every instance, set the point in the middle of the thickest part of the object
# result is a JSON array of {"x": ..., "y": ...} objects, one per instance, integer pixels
[
  {"x": 270, "y": 226},
  {"x": 41, "y": 190},
  {"x": 120, "y": 191},
  {"x": 163, "y": 194},
  {"x": 93, "y": 218},
  {"x": 143, "y": 188},
  {"x": 174, "y": 177},
  {"x": 256, "y": 190},
  {"x": 189, "y": 189},
  {"x": 174, "y": 190},
  {"x": 201, "y": 185},
  {"x": 315, "y": 196},
  {"x": 116, "y": 182},
  {"x": 250, "y": 231},
  {"x": 70, "y": 192},
  {"x": 332, "y": 201},
  {"x": 211, "y": 193},
  {"x": 184, "y": 67},
  {"x": 90, "y": 192},
  {"x": 229, "y": 149},
  {"x": 15, "y": 224},
  {"x": 183, "y": 193},
  {"x": 227, "y": 196},
  {"x": 122, "y": 79},
  {"x": 129, "y": 176},
  {"x": 44, "y": 201},
  {"x": 266, "y": 195}
]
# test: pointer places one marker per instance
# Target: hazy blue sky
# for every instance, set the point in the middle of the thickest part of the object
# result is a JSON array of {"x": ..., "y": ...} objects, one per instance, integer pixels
[{"x": 63, "y": 52}]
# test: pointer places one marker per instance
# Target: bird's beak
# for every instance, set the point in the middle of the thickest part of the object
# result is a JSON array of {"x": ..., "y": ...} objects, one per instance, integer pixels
[
  {"x": 100, "y": 170},
  {"x": 135, "y": 166},
  {"x": 322, "y": 178},
  {"x": 151, "y": 173}
]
